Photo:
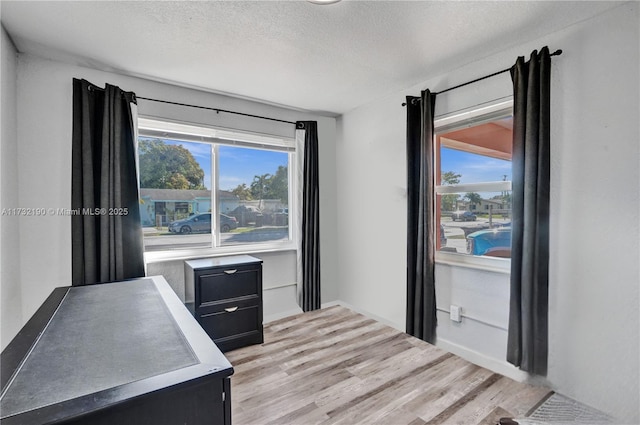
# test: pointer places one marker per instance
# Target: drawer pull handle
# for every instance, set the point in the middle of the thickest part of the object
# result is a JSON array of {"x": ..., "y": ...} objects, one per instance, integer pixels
[
  {"x": 231, "y": 309},
  {"x": 230, "y": 271}
]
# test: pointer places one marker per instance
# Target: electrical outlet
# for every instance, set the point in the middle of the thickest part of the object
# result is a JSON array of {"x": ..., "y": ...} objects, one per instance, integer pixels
[{"x": 455, "y": 313}]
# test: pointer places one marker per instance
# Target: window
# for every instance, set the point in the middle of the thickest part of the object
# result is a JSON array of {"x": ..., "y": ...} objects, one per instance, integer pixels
[
  {"x": 473, "y": 182},
  {"x": 214, "y": 189}
]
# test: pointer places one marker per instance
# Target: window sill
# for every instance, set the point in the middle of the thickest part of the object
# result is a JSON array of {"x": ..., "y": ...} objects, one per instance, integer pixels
[
  {"x": 190, "y": 254},
  {"x": 490, "y": 264}
]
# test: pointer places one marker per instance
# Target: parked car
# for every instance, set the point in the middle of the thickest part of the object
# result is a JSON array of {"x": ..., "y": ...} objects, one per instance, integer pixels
[
  {"x": 246, "y": 214},
  {"x": 194, "y": 224},
  {"x": 201, "y": 223},
  {"x": 463, "y": 216},
  {"x": 227, "y": 223},
  {"x": 490, "y": 242}
]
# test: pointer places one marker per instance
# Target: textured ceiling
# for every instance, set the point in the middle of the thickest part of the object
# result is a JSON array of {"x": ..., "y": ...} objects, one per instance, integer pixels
[{"x": 326, "y": 58}]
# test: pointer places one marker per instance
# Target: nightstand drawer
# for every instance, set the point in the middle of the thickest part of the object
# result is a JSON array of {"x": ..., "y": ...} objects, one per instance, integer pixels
[
  {"x": 227, "y": 283},
  {"x": 234, "y": 320}
]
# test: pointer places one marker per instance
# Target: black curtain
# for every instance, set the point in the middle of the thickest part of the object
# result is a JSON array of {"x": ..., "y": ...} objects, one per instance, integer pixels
[
  {"x": 310, "y": 237},
  {"x": 421, "y": 293},
  {"x": 528, "y": 323},
  {"x": 106, "y": 234}
]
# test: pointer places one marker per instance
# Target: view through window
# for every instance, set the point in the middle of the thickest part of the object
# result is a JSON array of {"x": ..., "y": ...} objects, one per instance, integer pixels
[
  {"x": 473, "y": 186},
  {"x": 211, "y": 194}
]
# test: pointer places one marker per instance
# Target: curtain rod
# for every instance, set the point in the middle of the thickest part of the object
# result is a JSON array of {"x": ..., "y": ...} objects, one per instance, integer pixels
[
  {"x": 217, "y": 110},
  {"x": 556, "y": 53}
]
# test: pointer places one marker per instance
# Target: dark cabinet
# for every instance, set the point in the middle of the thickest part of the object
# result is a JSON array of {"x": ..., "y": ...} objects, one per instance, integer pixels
[{"x": 225, "y": 296}]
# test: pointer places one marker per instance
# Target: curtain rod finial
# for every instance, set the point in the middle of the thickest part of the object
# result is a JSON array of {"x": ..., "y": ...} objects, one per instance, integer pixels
[{"x": 414, "y": 101}]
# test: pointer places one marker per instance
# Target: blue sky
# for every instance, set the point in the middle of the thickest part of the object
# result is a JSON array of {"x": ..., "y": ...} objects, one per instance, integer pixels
[
  {"x": 237, "y": 165},
  {"x": 474, "y": 168}
]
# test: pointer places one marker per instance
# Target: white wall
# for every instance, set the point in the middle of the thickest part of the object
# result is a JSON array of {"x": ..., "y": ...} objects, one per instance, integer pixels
[
  {"x": 594, "y": 277},
  {"x": 44, "y": 128},
  {"x": 10, "y": 291}
]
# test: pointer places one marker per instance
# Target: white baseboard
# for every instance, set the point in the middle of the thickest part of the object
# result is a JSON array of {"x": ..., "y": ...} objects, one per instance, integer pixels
[
  {"x": 498, "y": 366},
  {"x": 330, "y": 304}
]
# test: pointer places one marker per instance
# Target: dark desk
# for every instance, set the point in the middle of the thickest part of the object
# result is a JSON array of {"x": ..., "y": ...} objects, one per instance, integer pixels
[{"x": 117, "y": 353}]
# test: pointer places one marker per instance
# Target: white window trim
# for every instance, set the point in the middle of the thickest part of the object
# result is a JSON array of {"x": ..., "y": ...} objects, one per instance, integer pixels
[
  {"x": 194, "y": 253},
  {"x": 473, "y": 116},
  {"x": 202, "y": 133},
  {"x": 464, "y": 119},
  {"x": 163, "y": 128},
  {"x": 490, "y": 264}
]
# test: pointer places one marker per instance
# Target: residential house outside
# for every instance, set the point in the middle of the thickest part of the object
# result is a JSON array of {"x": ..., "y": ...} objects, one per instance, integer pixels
[
  {"x": 485, "y": 205},
  {"x": 159, "y": 207}
]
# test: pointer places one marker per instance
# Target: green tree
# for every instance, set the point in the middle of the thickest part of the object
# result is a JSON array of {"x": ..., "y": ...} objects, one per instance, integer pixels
[
  {"x": 450, "y": 177},
  {"x": 269, "y": 186},
  {"x": 165, "y": 166},
  {"x": 278, "y": 186},
  {"x": 473, "y": 198},
  {"x": 448, "y": 202},
  {"x": 260, "y": 186},
  {"x": 272, "y": 186},
  {"x": 242, "y": 192}
]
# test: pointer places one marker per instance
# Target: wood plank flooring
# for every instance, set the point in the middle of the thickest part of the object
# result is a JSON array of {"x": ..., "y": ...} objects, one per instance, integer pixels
[{"x": 334, "y": 366}]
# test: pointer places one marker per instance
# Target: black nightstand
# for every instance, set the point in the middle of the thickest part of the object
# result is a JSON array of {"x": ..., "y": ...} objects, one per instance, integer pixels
[{"x": 227, "y": 299}]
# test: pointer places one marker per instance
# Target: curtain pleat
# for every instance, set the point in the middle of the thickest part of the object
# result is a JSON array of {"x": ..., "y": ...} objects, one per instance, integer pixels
[
  {"x": 107, "y": 235},
  {"x": 421, "y": 300},
  {"x": 527, "y": 345},
  {"x": 310, "y": 219}
]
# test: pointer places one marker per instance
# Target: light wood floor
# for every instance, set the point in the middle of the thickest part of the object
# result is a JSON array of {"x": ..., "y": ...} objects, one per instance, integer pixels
[{"x": 334, "y": 366}]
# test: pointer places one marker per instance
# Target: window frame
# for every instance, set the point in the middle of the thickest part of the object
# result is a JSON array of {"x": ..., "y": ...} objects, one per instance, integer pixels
[
  {"x": 216, "y": 136},
  {"x": 457, "y": 120}
]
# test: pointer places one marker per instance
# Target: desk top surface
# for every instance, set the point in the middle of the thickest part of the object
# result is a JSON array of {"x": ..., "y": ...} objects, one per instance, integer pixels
[{"x": 103, "y": 337}]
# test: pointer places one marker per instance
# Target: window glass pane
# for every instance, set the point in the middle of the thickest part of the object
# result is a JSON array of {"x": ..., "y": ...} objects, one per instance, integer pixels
[
  {"x": 475, "y": 154},
  {"x": 475, "y": 223},
  {"x": 175, "y": 192},
  {"x": 473, "y": 214},
  {"x": 254, "y": 195},
  {"x": 459, "y": 167}
]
